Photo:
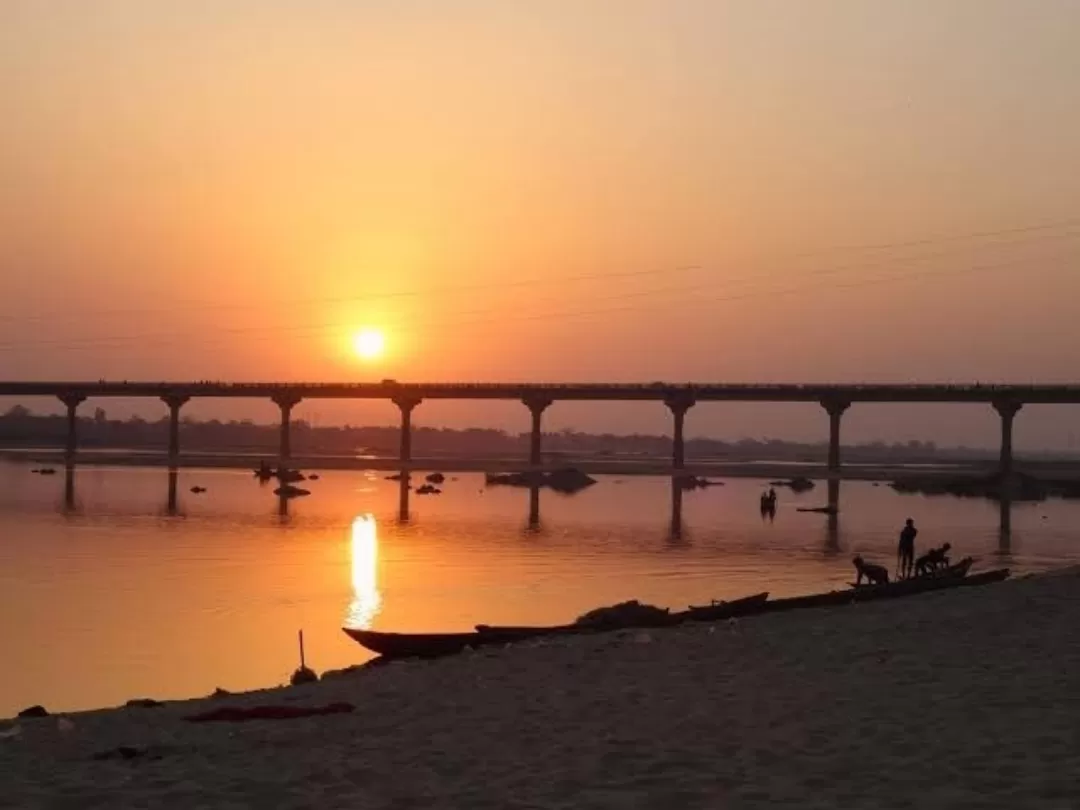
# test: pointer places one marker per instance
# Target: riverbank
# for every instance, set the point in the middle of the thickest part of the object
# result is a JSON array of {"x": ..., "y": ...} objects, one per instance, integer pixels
[
  {"x": 957, "y": 699},
  {"x": 590, "y": 465}
]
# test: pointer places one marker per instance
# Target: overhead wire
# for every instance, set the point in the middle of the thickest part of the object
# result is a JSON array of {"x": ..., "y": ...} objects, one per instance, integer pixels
[
  {"x": 562, "y": 313},
  {"x": 558, "y": 280}
]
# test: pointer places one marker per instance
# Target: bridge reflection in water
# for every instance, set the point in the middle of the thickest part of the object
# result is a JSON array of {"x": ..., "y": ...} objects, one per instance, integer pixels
[{"x": 676, "y": 530}]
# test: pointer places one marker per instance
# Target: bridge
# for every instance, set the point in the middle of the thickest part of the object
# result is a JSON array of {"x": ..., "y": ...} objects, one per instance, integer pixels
[{"x": 1007, "y": 400}]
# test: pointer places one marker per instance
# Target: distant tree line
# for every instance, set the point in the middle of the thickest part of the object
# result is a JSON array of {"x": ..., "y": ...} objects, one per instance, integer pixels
[{"x": 20, "y": 427}]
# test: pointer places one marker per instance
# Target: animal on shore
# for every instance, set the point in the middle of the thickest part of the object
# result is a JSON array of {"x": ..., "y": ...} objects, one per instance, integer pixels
[
  {"x": 875, "y": 574},
  {"x": 932, "y": 560}
]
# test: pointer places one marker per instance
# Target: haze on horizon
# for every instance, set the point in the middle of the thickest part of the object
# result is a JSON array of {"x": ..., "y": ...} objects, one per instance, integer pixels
[{"x": 618, "y": 190}]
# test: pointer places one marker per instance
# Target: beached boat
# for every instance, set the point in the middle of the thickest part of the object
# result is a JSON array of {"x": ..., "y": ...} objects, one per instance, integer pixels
[
  {"x": 713, "y": 612},
  {"x": 435, "y": 645},
  {"x": 719, "y": 611},
  {"x": 424, "y": 645},
  {"x": 955, "y": 576}
]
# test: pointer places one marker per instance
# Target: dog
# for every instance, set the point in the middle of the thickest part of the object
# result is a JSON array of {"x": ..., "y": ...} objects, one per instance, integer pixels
[
  {"x": 875, "y": 574},
  {"x": 932, "y": 560}
]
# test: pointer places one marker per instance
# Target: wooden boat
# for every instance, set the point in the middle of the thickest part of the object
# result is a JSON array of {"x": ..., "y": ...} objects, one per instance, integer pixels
[
  {"x": 713, "y": 612},
  {"x": 435, "y": 645},
  {"x": 718, "y": 611},
  {"x": 955, "y": 576},
  {"x": 423, "y": 645}
]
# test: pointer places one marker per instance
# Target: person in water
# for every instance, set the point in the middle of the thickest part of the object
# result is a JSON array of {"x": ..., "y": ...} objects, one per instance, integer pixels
[
  {"x": 905, "y": 552},
  {"x": 768, "y": 501}
]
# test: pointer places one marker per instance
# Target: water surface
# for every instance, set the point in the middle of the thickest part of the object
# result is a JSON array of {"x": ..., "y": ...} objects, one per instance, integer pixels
[{"x": 109, "y": 593}]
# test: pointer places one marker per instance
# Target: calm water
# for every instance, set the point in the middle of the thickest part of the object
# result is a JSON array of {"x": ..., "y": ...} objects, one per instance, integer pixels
[{"x": 106, "y": 593}]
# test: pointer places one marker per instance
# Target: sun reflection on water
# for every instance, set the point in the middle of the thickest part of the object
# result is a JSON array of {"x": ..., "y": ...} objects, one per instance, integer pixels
[{"x": 366, "y": 599}]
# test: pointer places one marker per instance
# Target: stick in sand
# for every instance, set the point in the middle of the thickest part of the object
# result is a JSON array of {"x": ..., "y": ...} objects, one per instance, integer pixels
[{"x": 303, "y": 675}]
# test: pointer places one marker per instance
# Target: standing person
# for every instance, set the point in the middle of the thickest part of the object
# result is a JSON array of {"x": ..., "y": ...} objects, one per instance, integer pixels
[{"x": 905, "y": 552}]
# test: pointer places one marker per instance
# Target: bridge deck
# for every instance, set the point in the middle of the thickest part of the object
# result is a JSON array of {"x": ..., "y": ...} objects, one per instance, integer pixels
[{"x": 764, "y": 392}]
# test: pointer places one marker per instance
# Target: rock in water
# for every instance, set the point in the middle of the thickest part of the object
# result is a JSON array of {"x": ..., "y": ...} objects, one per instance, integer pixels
[
  {"x": 798, "y": 484},
  {"x": 569, "y": 480},
  {"x": 436, "y": 478},
  {"x": 34, "y": 711},
  {"x": 691, "y": 482},
  {"x": 1024, "y": 487},
  {"x": 289, "y": 491},
  {"x": 524, "y": 479}
]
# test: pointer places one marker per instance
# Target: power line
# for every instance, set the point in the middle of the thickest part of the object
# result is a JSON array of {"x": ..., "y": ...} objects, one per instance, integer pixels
[
  {"x": 646, "y": 293},
  {"x": 572, "y": 279},
  {"x": 561, "y": 314}
]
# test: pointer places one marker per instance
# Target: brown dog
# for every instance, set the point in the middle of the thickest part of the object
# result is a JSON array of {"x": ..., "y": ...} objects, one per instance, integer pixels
[{"x": 875, "y": 574}]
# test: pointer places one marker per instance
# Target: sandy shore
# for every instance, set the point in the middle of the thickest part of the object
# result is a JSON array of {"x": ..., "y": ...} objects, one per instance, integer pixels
[{"x": 964, "y": 699}]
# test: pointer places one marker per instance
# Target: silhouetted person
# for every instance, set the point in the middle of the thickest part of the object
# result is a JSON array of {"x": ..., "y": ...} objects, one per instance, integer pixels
[
  {"x": 905, "y": 552},
  {"x": 768, "y": 503}
]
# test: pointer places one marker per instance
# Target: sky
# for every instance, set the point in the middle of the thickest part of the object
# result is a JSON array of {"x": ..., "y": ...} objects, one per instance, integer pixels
[{"x": 578, "y": 190}]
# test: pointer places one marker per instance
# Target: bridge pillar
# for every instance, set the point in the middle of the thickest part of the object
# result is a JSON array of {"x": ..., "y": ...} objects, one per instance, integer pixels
[
  {"x": 679, "y": 405},
  {"x": 1007, "y": 409},
  {"x": 536, "y": 406},
  {"x": 175, "y": 403},
  {"x": 406, "y": 405},
  {"x": 286, "y": 402},
  {"x": 835, "y": 408},
  {"x": 72, "y": 403}
]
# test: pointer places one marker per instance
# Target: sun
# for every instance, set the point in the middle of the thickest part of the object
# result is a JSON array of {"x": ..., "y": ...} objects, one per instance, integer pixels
[{"x": 368, "y": 344}]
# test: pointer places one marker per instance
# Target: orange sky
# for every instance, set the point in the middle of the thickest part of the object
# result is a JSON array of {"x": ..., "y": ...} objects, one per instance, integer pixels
[{"x": 619, "y": 190}]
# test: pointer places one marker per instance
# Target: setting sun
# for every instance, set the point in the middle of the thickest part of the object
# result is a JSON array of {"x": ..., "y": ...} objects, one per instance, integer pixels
[{"x": 369, "y": 343}]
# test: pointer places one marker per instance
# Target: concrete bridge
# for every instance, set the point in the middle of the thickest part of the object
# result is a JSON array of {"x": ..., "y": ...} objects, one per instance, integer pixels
[{"x": 1007, "y": 400}]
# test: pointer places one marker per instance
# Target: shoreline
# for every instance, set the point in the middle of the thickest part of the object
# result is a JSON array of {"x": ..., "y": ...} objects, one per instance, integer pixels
[
  {"x": 558, "y": 640},
  {"x": 779, "y": 470},
  {"x": 824, "y": 707}
]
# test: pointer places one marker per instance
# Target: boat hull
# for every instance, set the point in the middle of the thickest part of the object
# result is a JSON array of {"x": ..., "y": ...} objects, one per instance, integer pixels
[
  {"x": 422, "y": 645},
  {"x": 435, "y": 645},
  {"x": 893, "y": 590},
  {"x": 746, "y": 606}
]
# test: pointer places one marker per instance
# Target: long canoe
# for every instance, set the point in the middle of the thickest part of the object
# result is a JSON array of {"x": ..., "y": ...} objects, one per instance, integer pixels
[
  {"x": 713, "y": 612},
  {"x": 434, "y": 645},
  {"x": 718, "y": 611},
  {"x": 894, "y": 590},
  {"x": 424, "y": 645}
]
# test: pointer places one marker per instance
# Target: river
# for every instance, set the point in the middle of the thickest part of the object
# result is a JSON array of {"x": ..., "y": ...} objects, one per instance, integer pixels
[{"x": 108, "y": 591}]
